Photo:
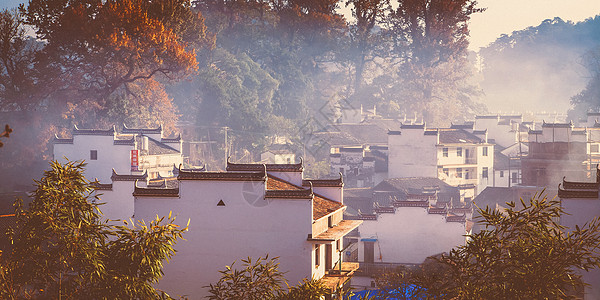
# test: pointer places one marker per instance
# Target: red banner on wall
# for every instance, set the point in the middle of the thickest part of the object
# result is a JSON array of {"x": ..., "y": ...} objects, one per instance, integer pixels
[{"x": 134, "y": 160}]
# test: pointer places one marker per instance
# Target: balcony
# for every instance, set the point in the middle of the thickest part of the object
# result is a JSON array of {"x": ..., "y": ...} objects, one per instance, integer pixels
[{"x": 336, "y": 277}]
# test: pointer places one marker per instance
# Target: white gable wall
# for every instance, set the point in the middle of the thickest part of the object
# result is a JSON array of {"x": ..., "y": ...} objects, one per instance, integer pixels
[
  {"x": 109, "y": 155},
  {"x": 410, "y": 235},
  {"x": 248, "y": 225}
]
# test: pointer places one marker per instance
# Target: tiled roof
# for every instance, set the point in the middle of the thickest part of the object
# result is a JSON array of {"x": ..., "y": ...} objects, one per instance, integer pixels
[
  {"x": 489, "y": 117},
  {"x": 413, "y": 126},
  {"x": 469, "y": 125},
  {"x": 363, "y": 133},
  {"x": 454, "y": 136},
  {"x": 289, "y": 194},
  {"x": 558, "y": 125},
  {"x": 58, "y": 140},
  {"x": 128, "y": 177},
  {"x": 102, "y": 186},
  {"x": 589, "y": 194},
  {"x": 142, "y": 130},
  {"x": 336, "y": 139},
  {"x": 339, "y": 182},
  {"x": 125, "y": 141},
  {"x": 321, "y": 205},
  {"x": 348, "y": 149},
  {"x": 107, "y": 132},
  {"x": 157, "y": 148},
  {"x": 176, "y": 139},
  {"x": 405, "y": 188},
  {"x": 160, "y": 182},
  {"x": 270, "y": 167},
  {"x": 224, "y": 176},
  {"x": 155, "y": 192}
]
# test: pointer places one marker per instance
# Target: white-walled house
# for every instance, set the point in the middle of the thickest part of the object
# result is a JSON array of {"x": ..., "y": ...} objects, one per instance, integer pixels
[
  {"x": 406, "y": 221},
  {"x": 458, "y": 155},
  {"x": 581, "y": 204},
  {"x": 250, "y": 210},
  {"x": 133, "y": 151}
]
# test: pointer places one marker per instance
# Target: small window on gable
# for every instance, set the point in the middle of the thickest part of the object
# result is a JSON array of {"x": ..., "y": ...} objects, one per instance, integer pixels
[
  {"x": 317, "y": 255},
  {"x": 93, "y": 154},
  {"x": 221, "y": 203}
]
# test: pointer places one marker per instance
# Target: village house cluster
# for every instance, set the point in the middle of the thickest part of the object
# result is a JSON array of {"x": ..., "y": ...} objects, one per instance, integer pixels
[{"x": 398, "y": 192}]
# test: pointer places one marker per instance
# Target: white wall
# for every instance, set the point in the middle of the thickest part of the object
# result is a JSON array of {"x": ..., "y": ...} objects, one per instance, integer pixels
[
  {"x": 412, "y": 154},
  {"x": 579, "y": 212},
  {"x": 118, "y": 202},
  {"x": 410, "y": 235},
  {"x": 109, "y": 155},
  {"x": 248, "y": 225}
]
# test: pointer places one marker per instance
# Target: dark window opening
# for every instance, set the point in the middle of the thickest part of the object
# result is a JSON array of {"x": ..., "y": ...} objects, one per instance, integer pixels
[{"x": 93, "y": 154}]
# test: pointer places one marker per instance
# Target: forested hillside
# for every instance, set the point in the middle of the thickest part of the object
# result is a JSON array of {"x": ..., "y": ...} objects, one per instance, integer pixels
[{"x": 541, "y": 67}]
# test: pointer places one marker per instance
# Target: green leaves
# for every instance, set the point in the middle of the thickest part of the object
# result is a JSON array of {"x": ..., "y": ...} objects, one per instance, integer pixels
[
  {"x": 261, "y": 279},
  {"x": 61, "y": 247}
]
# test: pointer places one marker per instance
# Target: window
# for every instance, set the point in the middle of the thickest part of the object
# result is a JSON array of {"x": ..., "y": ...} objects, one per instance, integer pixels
[
  {"x": 485, "y": 151},
  {"x": 445, "y": 170},
  {"x": 445, "y": 152},
  {"x": 459, "y": 151},
  {"x": 501, "y": 173},
  {"x": 514, "y": 177},
  {"x": 337, "y": 245},
  {"x": 330, "y": 221},
  {"x": 467, "y": 174},
  {"x": 458, "y": 172},
  {"x": 317, "y": 256},
  {"x": 93, "y": 154},
  {"x": 594, "y": 148},
  {"x": 484, "y": 174}
]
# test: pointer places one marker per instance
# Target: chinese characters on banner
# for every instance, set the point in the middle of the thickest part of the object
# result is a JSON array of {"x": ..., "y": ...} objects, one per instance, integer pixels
[{"x": 134, "y": 160}]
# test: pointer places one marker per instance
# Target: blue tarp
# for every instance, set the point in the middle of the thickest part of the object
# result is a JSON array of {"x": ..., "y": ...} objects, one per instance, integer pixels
[{"x": 403, "y": 294}]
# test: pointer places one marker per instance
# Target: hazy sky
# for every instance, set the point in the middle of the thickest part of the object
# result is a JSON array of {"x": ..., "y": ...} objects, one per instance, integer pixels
[
  {"x": 503, "y": 16},
  {"x": 506, "y": 16}
]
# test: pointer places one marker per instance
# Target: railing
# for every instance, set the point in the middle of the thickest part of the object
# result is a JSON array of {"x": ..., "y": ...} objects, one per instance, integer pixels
[{"x": 374, "y": 269}]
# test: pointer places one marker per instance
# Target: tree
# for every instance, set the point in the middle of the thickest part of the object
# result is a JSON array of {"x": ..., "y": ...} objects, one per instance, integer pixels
[
  {"x": 367, "y": 14},
  {"x": 429, "y": 45},
  {"x": 588, "y": 98},
  {"x": 520, "y": 254},
  {"x": 6, "y": 133},
  {"x": 17, "y": 53},
  {"x": 261, "y": 279},
  {"x": 62, "y": 248}
]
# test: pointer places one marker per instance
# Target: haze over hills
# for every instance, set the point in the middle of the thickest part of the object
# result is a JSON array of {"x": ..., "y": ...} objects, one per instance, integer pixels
[{"x": 538, "y": 68}]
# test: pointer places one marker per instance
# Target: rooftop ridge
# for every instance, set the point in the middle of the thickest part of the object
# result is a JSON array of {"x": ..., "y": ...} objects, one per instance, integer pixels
[
  {"x": 128, "y": 177},
  {"x": 339, "y": 182},
  {"x": 299, "y": 167},
  {"x": 225, "y": 176},
  {"x": 106, "y": 132},
  {"x": 176, "y": 139},
  {"x": 155, "y": 192},
  {"x": 159, "y": 129},
  {"x": 58, "y": 140}
]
